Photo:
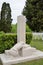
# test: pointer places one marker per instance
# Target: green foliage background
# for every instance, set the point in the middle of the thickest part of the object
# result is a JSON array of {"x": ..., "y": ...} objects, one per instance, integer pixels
[
  {"x": 33, "y": 10},
  {"x": 6, "y": 20}
]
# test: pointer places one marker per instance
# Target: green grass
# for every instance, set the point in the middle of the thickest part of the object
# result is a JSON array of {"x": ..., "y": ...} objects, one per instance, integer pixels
[{"x": 39, "y": 45}]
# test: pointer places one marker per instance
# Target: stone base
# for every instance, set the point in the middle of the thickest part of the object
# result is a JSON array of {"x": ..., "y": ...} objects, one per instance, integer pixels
[
  {"x": 21, "y": 50},
  {"x": 8, "y": 60},
  {"x": 20, "y": 53},
  {"x": 28, "y": 54}
]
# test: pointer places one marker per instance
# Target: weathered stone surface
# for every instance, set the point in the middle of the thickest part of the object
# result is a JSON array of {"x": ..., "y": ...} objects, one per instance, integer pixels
[
  {"x": 9, "y": 60},
  {"x": 14, "y": 51},
  {"x": 21, "y": 28}
]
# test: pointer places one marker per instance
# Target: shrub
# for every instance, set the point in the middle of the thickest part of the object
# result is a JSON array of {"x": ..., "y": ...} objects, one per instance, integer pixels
[
  {"x": 28, "y": 37},
  {"x": 1, "y": 32},
  {"x": 7, "y": 40},
  {"x": 28, "y": 29},
  {"x": 14, "y": 28}
]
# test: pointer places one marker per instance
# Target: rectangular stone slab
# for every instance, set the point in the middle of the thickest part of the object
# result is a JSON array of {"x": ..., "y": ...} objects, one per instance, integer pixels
[{"x": 8, "y": 60}]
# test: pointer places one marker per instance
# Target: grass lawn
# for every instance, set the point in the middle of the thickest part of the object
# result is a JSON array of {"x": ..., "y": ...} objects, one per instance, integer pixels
[{"x": 39, "y": 45}]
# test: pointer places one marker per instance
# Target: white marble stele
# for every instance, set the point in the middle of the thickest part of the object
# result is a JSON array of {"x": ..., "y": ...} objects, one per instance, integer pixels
[{"x": 20, "y": 52}]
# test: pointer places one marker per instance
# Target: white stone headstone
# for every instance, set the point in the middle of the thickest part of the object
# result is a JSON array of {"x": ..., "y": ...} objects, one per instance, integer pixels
[
  {"x": 21, "y": 28},
  {"x": 20, "y": 52}
]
